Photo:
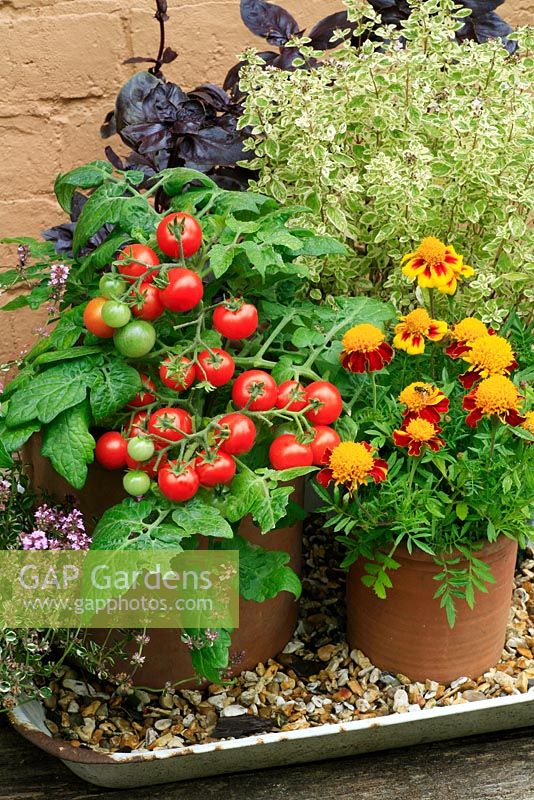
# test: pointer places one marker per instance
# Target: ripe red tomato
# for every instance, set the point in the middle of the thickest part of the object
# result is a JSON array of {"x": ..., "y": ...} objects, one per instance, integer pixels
[
  {"x": 220, "y": 470},
  {"x": 179, "y": 232},
  {"x": 291, "y": 396},
  {"x": 255, "y": 390},
  {"x": 178, "y": 482},
  {"x": 151, "y": 306},
  {"x": 150, "y": 467},
  {"x": 147, "y": 394},
  {"x": 215, "y": 366},
  {"x": 236, "y": 324},
  {"x": 138, "y": 253},
  {"x": 286, "y": 452},
  {"x": 111, "y": 450},
  {"x": 184, "y": 290},
  {"x": 137, "y": 425},
  {"x": 177, "y": 373},
  {"x": 330, "y": 399},
  {"x": 92, "y": 318},
  {"x": 242, "y": 434},
  {"x": 168, "y": 425},
  {"x": 324, "y": 441}
]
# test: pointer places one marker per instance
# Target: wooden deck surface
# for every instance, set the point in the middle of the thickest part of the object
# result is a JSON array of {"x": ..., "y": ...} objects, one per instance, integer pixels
[{"x": 494, "y": 767}]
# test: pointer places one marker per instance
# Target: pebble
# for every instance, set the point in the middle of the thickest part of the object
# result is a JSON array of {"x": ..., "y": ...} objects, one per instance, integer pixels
[{"x": 344, "y": 686}]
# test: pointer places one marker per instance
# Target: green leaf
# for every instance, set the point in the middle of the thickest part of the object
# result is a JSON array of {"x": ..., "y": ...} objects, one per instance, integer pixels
[
  {"x": 196, "y": 517},
  {"x": 221, "y": 258},
  {"x": 116, "y": 384},
  {"x": 5, "y": 458},
  {"x": 52, "y": 392},
  {"x": 322, "y": 246},
  {"x": 69, "y": 329},
  {"x": 175, "y": 180},
  {"x": 104, "y": 254},
  {"x": 34, "y": 300},
  {"x": 88, "y": 176},
  {"x": 69, "y": 445},
  {"x": 253, "y": 494},
  {"x": 14, "y": 438},
  {"x": 132, "y": 525},
  {"x": 462, "y": 510},
  {"x": 106, "y": 206},
  {"x": 67, "y": 355},
  {"x": 263, "y": 573},
  {"x": 212, "y": 660}
]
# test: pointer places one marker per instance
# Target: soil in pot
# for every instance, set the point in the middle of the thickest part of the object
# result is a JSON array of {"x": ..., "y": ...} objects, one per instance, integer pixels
[
  {"x": 409, "y": 633},
  {"x": 264, "y": 628}
]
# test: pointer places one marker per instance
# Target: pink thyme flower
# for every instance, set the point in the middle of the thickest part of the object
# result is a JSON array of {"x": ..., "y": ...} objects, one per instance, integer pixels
[{"x": 36, "y": 540}]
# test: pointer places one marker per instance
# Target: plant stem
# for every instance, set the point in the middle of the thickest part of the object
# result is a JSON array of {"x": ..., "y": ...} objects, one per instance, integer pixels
[{"x": 373, "y": 384}]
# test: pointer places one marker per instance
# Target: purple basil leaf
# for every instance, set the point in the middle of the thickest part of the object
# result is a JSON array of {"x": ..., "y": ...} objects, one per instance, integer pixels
[
  {"x": 129, "y": 104},
  {"x": 169, "y": 55},
  {"x": 108, "y": 127},
  {"x": 210, "y": 148},
  {"x": 322, "y": 33},
  {"x": 210, "y": 95},
  {"x": 113, "y": 158},
  {"x": 286, "y": 58},
  {"x": 482, "y": 7},
  {"x": 489, "y": 26},
  {"x": 139, "y": 60},
  {"x": 161, "y": 13},
  {"x": 270, "y": 21}
]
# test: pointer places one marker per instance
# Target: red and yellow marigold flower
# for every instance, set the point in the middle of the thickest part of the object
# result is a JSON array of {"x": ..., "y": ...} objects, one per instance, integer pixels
[
  {"x": 495, "y": 396},
  {"x": 423, "y": 400},
  {"x": 365, "y": 349},
  {"x": 418, "y": 433},
  {"x": 488, "y": 355},
  {"x": 414, "y": 328},
  {"x": 464, "y": 334},
  {"x": 528, "y": 424},
  {"x": 436, "y": 266},
  {"x": 353, "y": 464}
]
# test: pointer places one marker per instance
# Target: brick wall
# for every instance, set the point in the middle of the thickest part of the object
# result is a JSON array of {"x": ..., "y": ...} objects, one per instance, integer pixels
[{"x": 60, "y": 70}]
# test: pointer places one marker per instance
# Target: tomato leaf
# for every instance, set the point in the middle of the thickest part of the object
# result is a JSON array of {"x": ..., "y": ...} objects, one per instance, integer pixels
[
  {"x": 131, "y": 526},
  {"x": 88, "y": 176},
  {"x": 13, "y": 438},
  {"x": 263, "y": 573},
  {"x": 52, "y": 392},
  {"x": 116, "y": 384},
  {"x": 5, "y": 457},
  {"x": 69, "y": 445},
  {"x": 195, "y": 517},
  {"x": 253, "y": 494}
]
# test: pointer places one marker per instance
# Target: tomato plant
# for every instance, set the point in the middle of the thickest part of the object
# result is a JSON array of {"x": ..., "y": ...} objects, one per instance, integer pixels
[
  {"x": 179, "y": 235},
  {"x": 116, "y": 314},
  {"x": 111, "y": 449},
  {"x": 255, "y": 390},
  {"x": 327, "y": 402},
  {"x": 136, "y": 483},
  {"x": 92, "y": 318},
  {"x": 215, "y": 366},
  {"x": 236, "y": 434},
  {"x": 236, "y": 320},
  {"x": 178, "y": 373},
  {"x": 324, "y": 441},
  {"x": 136, "y": 339},
  {"x": 178, "y": 482},
  {"x": 183, "y": 291},
  {"x": 147, "y": 302},
  {"x": 137, "y": 260},
  {"x": 287, "y": 452},
  {"x": 147, "y": 395},
  {"x": 169, "y": 425},
  {"x": 215, "y": 470},
  {"x": 291, "y": 396}
]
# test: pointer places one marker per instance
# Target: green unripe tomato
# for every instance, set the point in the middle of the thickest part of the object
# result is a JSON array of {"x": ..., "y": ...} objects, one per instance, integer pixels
[
  {"x": 112, "y": 286},
  {"x": 116, "y": 314},
  {"x": 136, "y": 483},
  {"x": 141, "y": 448},
  {"x": 136, "y": 339}
]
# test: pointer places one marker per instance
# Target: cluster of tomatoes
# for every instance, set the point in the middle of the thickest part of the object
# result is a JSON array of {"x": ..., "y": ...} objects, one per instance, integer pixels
[
  {"x": 160, "y": 442},
  {"x": 133, "y": 289}
]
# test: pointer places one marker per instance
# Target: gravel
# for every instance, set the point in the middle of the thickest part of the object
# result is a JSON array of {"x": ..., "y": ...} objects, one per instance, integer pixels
[{"x": 314, "y": 681}]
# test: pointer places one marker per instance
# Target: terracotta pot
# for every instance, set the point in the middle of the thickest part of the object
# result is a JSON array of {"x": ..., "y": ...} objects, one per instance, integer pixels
[
  {"x": 408, "y": 632},
  {"x": 265, "y": 628}
]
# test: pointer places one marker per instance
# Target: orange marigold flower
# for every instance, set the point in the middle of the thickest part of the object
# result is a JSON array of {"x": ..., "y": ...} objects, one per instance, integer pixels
[
  {"x": 364, "y": 349},
  {"x": 488, "y": 355},
  {"x": 412, "y": 330},
  {"x": 417, "y": 434},
  {"x": 436, "y": 266},
  {"x": 352, "y": 464},
  {"x": 494, "y": 396},
  {"x": 423, "y": 400},
  {"x": 464, "y": 333},
  {"x": 528, "y": 424}
]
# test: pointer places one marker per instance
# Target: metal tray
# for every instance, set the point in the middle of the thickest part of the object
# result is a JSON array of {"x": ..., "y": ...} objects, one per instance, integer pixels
[{"x": 139, "y": 768}]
